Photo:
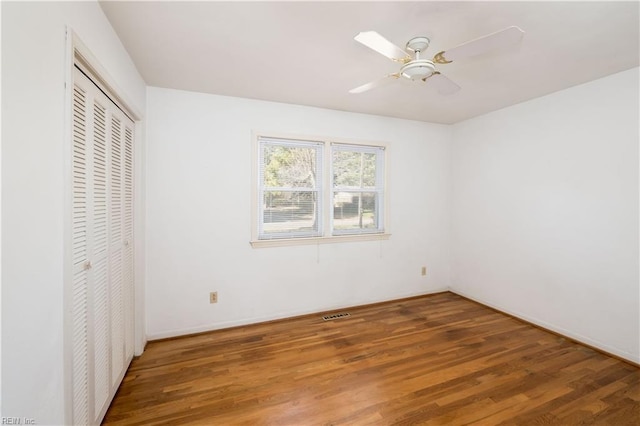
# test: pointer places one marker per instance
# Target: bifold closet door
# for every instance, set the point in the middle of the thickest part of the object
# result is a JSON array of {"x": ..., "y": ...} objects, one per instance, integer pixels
[
  {"x": 102, "y": 249},
  {"x": 121, "y": 243}
]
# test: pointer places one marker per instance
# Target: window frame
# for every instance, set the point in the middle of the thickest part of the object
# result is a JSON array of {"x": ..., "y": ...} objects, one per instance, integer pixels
[
  {"x": 263, "y": 189},
  {"x": 325, "y": 212},
  {"x": 378, "y": 189}
]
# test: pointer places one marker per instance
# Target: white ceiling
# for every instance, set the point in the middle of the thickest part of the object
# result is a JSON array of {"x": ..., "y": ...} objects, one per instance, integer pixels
[{"x": 304, "y": 52}]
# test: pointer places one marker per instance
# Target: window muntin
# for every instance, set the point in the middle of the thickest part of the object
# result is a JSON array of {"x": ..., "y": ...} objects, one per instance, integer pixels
[{"x": 310, "y": 189}]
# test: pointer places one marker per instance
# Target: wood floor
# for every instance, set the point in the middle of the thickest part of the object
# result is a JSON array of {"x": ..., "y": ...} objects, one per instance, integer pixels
[{"x": 438, "y": 359}]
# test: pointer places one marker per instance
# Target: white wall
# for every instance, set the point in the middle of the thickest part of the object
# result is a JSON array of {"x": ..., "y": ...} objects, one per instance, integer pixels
[
  {"x": 545, "y": 212},
  {"x": 199, "y": 226},
  {"x": 34, "y": 144}
]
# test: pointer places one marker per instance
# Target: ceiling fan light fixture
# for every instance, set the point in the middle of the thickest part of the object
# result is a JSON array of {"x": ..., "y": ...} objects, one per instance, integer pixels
[{"x": 418, "y": 69}]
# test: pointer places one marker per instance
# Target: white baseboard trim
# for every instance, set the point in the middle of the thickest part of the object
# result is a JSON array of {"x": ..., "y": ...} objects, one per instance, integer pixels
[
  {"x": 559, "y": 330},
  {"x": 256, "y": 320}
]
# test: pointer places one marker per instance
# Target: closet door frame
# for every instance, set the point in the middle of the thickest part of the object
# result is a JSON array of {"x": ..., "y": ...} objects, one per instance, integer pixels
[{"x": 78, "y": 53}]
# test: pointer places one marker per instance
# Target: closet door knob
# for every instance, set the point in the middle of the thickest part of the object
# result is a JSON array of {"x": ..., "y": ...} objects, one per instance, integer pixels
[{"x": 87, "y": 265}]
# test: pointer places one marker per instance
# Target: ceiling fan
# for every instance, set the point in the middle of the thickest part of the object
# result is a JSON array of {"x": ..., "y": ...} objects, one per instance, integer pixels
[{"x": 415, "y": 68}]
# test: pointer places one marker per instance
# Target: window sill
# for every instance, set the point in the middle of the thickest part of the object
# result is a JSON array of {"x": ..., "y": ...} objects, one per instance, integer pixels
[{"x": 319, "y": 240}]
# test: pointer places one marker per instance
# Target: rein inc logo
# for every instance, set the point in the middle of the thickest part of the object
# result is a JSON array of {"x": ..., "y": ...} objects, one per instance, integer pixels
[{"x": 17, "y": 421}]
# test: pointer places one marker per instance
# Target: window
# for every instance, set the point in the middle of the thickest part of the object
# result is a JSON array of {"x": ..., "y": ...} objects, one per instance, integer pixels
[
  {"x": 358, "y": 189},
  {"x": 290, "y": 189},
  {"x": 310, "y": 190}
]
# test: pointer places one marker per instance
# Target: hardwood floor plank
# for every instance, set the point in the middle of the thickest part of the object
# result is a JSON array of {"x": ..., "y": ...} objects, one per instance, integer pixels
[{"x": 439, "y": 359}]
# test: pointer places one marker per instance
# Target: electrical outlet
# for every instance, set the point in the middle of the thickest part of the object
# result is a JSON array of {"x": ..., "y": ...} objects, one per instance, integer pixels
[
  {"x": 213, "y": 297},
  {"x": 424, "y": 270}
]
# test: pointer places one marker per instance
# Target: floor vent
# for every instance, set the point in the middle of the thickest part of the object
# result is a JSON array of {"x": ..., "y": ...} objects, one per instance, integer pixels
[{"x": 336, "y": 316}]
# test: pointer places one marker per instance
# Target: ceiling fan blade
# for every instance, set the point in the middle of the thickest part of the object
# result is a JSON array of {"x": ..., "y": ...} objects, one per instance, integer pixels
[
  {"x": 444, "y": 85},
  {"x": 375, "y": 41},
  {"x": 375, "y": 83},
  {"x": 503, "y": 38}
]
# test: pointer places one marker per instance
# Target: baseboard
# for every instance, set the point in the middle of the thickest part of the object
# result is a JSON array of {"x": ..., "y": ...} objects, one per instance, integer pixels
[
  {"x": 559, "y": 331},
  {"x": 173, "y": 334}
]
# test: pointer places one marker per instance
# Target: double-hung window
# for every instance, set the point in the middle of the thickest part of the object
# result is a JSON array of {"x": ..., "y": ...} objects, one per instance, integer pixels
[
  {"x": 290, "y": 189},
  {"x": 357, "y": 184},
  {"x": 317, "y": 190}
]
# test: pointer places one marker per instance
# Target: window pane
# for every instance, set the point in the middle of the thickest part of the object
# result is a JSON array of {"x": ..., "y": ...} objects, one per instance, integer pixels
[
  {"x": 289, "y": 166},
  {"x": 289, "y": 212},
  {"x": 355, "y": 211},
  {"x": 354, "y": 169}
]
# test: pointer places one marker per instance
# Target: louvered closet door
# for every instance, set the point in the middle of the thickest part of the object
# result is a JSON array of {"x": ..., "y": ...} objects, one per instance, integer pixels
[
  {"x": 101, "y": 293},
  {"x": 102, "y": 250},
  {"x": 121, "y": 243},
  {"x": 127, "y": 228},
  {"x": 80, "y": 256},
  {"x": 115, "y": 255},
  {"x": 120, "y": 224}
]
